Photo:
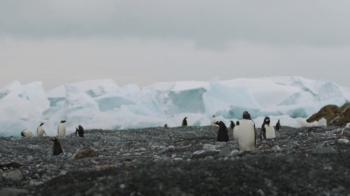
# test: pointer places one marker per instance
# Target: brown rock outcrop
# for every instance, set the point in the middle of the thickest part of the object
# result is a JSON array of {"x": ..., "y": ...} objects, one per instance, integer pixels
[
  {"x": 335, "y": 116},
  {"x": 86, "y": 153}
]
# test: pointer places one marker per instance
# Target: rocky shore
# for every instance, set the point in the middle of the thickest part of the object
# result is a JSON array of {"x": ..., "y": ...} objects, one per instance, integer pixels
[{"x": 178, "y": 161}]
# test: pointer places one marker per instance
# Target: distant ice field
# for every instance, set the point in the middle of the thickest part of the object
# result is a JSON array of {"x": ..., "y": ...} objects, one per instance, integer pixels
[{"x": 102, "y": 104}]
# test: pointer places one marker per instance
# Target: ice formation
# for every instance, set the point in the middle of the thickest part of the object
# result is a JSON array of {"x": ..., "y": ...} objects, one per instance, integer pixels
[{"x": 102, "y": 104}]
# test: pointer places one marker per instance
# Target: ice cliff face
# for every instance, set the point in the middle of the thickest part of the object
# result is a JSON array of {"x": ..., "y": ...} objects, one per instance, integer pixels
[{"x": 103, "y": 104}]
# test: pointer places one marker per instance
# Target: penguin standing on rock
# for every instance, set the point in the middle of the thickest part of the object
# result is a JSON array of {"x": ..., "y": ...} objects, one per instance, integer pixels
[
  {"x": 245, "y": 133},
  {"x": 26, "y": 133},
  {"x": 40, "y": 130},
  {"x": 222, "y": 132},
  {"x": 61, "y": 131},
  {"x": 56, "y": 148},
  {"x": 267, "y": 131},
  {"x": 278, "y": 125},
  {"x": 79, "y": 131},
  {"x": 184, "y": 122}
]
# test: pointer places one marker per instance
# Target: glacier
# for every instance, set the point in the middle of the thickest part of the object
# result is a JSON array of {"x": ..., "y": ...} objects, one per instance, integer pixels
[{"x": 102, "y": 104}]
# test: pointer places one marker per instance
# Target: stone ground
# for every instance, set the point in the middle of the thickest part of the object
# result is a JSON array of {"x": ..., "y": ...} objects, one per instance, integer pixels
[{"x": 179, "y": 161}]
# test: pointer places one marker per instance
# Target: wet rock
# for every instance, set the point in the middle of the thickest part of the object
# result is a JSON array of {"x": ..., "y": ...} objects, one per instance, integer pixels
[
  {"x": 12, "y": 191},
  {"x": 343, "y": 141},
  {"x": 225, "y": 152},
  {"x": 86, "y": 153},
  {"x": 324, "y": 150},
  {"x": 14, "y": 175},
  {"x": 209, "y": 147},
  {"x": 204, "y": 153},
  {"x": 276, "y": 148}
]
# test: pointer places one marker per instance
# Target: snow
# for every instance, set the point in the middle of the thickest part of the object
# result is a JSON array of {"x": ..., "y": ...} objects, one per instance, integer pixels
[{"x": 102, "y": 104}]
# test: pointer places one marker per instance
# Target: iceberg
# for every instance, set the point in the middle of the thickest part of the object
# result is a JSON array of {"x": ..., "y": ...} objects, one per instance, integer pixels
[{"x": 102, "y": 104}]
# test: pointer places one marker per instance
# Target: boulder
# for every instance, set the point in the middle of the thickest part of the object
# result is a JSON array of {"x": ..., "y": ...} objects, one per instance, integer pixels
[
  {"x": 86, "y": 153},
  {"x": 334, "y": 115}
]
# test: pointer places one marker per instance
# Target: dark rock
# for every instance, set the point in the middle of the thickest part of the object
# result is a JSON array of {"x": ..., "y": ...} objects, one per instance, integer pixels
[{"x": 12, "y": 191}]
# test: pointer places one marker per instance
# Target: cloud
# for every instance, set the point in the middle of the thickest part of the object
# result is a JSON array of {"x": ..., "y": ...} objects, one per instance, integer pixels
[
  {"x": 60, "y": 61},
  {"x": 210, "y": 24}
]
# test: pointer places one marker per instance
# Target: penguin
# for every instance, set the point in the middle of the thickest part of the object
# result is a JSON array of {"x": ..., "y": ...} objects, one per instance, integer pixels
[
  {"x": 237, "y": 123},
  {"x": 267, "y": 131},
  {"x": 213, "y": 120},
  {"x": 79, "y": 131},
  {"x": 26, "y": 133},
  {"x": 245, "y": 133},
  {"x": 278, "y": 125},
  {"x": 232, "y": 125},
  {"x": 61, "y": 131},
  {"x": 184, "y": 122},
  {"x": 56, "y": 148},
  {"x": 222, "y": 132},
  {"x": 166, "y": 126},
  {"x": 40, "y": 130}
]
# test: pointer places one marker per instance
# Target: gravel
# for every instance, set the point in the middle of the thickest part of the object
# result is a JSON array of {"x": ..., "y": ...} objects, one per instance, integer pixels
[{"x": 178, "y": 161}]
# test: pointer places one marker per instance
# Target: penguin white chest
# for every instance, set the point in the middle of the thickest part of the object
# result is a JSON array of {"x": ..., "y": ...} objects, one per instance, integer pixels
[
  {"x": 270, "y": 131},
  {"x": 245, "y": 133},
  {"x": 40, "y": 131},
  {"x": 61, "y": 132}
]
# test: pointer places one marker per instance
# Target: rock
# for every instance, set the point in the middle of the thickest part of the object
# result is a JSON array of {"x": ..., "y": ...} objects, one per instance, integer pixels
[
  {"x": 12, "y": 191},
  {"x": 208, "y": 158},
  {"x": 343, "y": 141},
  {"x": 260, "y": 193},
  {"x": 209, "y": 147},
  {"x": 225, "y": 152},
  {"x": 204, "y": 153},
  {"x": 324, "y": 150},
  {"x": 276, "y": 148},
  {"x": 14, "y": 175},
  {"x": 334, "y": 115},
  {"x": 235, "y": 153},
  {"x": 168, "y": 149},
  {"x": 178, "y": 159},
  {"x": 86, "y": 153},
  {"x": 35, "y": 182}
]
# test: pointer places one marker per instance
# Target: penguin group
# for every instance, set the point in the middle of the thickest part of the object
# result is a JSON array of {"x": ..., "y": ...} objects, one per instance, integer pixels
[
  {"x": 61, "y": 133},
  {"x": 244, "y": 131}
]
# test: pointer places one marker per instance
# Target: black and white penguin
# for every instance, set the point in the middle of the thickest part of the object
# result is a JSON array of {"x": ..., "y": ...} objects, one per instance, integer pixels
[
  {"x": 40, "y": 130},
  {"x": 245, "y": 133},
  {"x": 222, "y": 132},
  {"x": 213, "y": 120},
  {"x": 278, "y": 125},
  {"x": 26, "y": 133},
  {"x": 232, "y": 125},
  {"x": 79, "y": 131},
  {"x": 267, "y": 131},
  {"x": 56, "y": 148},
  {"x": 61, "y": 131},
  {"x": 184, "y": 122}
]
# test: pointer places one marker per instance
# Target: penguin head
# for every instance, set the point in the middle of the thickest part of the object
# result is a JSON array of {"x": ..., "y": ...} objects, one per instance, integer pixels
[
  {"x": 267, "y": 119},
  {"x": 217, "y": 122},
  {"x": 237, "y": 123},
  {"x": 41, "y": 124},
  {"x": 63, "y": 121},
  {"x": 246, "y": 115},
  {"x": 185, "y": 118},
  {"x": 213, "y": 115},
  {"x": 53, "y": 139}
]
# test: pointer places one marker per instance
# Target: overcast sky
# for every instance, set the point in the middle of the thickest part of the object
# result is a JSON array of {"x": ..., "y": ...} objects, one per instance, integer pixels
[{"x": 144, "y": 42}]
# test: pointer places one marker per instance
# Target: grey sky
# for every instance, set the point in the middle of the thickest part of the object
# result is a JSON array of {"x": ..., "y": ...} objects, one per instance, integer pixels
[{"x": 144, "y": 42}]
